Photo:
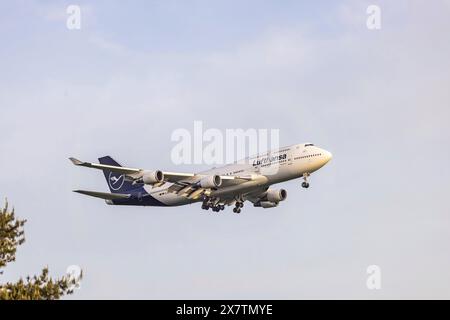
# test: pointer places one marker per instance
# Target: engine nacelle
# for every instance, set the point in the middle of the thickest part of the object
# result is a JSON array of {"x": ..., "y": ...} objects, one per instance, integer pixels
[
  {"x": 276, "y": 195},
  {"x": 268, "y": 204},
  {"x": 152, "y": 177},
  {"x": 214, "y": 181}
]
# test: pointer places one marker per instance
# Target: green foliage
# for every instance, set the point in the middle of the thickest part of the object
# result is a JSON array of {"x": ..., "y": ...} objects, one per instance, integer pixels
[
  {"x": 41, "y": 287},
  {"x": 11, "y": 236}
]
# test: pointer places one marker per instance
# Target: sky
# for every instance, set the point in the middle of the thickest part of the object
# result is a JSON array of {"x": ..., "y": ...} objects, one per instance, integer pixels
[{"x": 137, "y": 71}]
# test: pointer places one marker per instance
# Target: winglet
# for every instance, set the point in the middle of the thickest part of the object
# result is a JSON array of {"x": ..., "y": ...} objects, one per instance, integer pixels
[{"x": 76, "y": 161}]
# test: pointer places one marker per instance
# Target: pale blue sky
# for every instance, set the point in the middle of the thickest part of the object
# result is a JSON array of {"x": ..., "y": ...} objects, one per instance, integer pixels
[{"x": 138, "y": 70}]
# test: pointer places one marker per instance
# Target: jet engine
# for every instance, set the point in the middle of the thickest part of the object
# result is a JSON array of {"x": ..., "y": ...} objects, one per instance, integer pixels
[
  {"x": 271, "y": 198},
  {"x": 214, "y": 181},
  {"x": 152, "y": 177},
  {"x": 274, "y": 195},
  {"x": 268, "y": 204}
]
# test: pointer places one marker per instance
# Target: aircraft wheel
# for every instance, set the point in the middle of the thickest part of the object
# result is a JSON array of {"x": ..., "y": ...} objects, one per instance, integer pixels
[{"x": 305, "y": 185}]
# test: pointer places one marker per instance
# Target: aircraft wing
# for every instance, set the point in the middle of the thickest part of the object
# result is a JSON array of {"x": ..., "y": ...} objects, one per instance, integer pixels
[
  {"x": 186, "y": 184},
  {"x": 122, "y": 170},
  {"x": 189, "y": 187},
  {"x": 131, "y": 172},
  {"x": 103, "y": 195},
  {"x": 173, "y": 177},
  {"x": 176, "y": 176}
]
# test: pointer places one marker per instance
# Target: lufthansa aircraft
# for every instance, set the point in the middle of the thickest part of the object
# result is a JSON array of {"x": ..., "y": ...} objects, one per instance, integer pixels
[{"x": 232, "y": 184}]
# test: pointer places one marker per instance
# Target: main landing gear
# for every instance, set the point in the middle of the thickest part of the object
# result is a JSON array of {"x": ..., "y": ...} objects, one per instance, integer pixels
[
  {"x": 237, "y": 208},
  {"x": 216, "y": 207},
  {"x": 305, "y": 183}
]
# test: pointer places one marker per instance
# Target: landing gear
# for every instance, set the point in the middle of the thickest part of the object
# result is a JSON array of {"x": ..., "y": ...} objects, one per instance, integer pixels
[
  {"x": 213, "y": 204},
  {"x": 206, "y": 204},
  {"x": 216, "y": 205},
  {"x": 305, "y": 183},
  {"x": 237, "y": 208}
]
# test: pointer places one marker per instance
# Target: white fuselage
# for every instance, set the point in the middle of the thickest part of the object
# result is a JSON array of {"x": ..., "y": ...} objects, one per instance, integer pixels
[{"x": 268, "y": 168}]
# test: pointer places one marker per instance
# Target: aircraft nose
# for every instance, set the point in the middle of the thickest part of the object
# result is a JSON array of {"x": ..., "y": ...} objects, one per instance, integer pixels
[{"x": 328, "y": 156}]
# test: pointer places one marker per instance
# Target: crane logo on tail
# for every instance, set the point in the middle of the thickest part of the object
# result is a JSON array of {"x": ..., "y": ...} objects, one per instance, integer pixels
[{"x": 116, "y": 181}]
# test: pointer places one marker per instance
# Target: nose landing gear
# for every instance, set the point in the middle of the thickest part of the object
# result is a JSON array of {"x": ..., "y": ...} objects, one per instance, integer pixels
[{"x": 305, "y": 183}]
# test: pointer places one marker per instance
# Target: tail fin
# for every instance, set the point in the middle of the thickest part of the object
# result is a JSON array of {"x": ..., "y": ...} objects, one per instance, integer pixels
[{"x": 116, "y": 181}]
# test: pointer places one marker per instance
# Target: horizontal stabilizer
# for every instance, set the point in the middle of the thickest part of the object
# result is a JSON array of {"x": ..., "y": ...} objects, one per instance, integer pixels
[{"x": 103, "y": 195}]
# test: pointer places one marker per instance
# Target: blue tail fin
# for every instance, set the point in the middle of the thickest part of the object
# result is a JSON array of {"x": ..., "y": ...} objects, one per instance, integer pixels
[{"x": 116, "y": 181}]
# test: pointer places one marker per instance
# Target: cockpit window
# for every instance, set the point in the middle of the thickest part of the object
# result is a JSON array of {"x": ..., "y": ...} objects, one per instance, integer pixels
[{"x": 309, "y": 144}]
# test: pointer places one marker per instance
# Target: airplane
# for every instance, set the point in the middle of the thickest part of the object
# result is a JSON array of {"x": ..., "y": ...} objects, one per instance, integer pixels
[{"x": 231, "y": 185}]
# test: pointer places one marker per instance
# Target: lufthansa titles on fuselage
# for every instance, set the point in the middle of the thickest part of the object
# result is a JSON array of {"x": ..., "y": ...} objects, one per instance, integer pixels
[{"x": 268, "y": 160}]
